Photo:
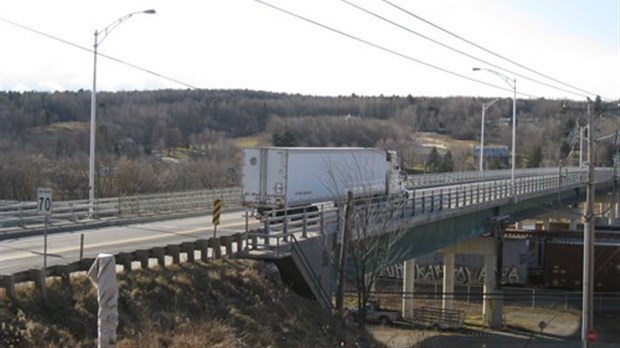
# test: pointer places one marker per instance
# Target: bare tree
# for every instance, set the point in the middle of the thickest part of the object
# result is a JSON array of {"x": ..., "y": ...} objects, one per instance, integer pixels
[
  {"x": 374, "y": 208},
  {"x": 376, "y": 228}
]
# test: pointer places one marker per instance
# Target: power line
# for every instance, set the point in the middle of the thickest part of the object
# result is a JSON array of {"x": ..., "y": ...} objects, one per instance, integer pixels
[
  {"x": 385, "y": 49},
  {"x": 488, "y": 51},
  {"x": 457, "y": 50},
  {"x": 99, "y": 54}
]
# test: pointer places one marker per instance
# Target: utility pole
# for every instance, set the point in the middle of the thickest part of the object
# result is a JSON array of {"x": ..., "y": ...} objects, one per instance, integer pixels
[{"x": 587, "y": 318}]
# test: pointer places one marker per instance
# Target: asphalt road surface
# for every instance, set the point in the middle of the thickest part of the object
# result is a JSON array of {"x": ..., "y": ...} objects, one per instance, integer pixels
[{"x": 25, "y": 253}]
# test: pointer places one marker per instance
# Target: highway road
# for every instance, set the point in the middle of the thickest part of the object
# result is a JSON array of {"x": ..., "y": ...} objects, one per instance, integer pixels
[{"x": 27, "y": 253}]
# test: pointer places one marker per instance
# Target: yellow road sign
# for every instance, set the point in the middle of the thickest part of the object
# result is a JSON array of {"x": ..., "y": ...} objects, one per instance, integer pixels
[{"x": 217, "y": 209}]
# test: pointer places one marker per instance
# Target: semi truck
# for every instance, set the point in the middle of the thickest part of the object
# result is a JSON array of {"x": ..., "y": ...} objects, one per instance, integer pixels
[{"x": 294, "y": 178}]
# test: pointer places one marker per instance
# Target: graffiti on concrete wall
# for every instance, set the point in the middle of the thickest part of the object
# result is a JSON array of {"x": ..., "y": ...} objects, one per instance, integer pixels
[{"x": 462, "y": 274}]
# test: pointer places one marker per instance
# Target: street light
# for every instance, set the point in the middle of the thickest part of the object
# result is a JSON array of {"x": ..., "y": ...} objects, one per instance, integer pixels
[
  {"x": 485, "y": 106},
  {"x": 93, "y": 103},
  {"x": 513, "y": 84}
]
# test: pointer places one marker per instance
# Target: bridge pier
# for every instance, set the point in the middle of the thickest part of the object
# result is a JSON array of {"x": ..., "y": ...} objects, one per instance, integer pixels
[
  {"x": 447, "y": 300},
  {"x": 492, "y": 308},
  {"x": 488, "y": 288},
  {"x": 408, "y": 285},
  {"x": 614, "y": 216}
]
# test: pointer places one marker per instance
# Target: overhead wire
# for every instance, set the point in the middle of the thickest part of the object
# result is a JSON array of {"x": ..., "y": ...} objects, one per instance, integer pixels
[
  {"x": 489, "y": 51},
  {"x": 385, "y": 49},
  {"x": 457, "y": 50},
  {"x": 99, "y": 53}
]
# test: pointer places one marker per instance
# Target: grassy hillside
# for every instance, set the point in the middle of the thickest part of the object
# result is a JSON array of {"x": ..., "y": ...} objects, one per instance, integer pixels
[{"x": 217, "y": 304}]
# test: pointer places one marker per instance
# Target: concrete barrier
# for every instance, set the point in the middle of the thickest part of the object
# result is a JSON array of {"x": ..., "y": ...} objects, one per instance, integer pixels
[{"x": 8, "y": 282}]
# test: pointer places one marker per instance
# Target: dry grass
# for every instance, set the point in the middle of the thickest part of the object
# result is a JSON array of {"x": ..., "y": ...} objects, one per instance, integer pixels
[{"x": 217, "y": 304}]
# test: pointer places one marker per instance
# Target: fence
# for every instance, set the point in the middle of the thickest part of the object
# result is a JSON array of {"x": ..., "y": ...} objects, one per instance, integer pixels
[{"x": 430, "y": 294}]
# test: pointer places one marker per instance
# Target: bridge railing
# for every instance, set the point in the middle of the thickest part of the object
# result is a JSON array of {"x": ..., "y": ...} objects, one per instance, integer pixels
[
  {"x": 422, "y": 180},
  {"x": 425, "y": 203},
  {"x": 25, "y": 213},
  {"x": 494, "y": 184}
]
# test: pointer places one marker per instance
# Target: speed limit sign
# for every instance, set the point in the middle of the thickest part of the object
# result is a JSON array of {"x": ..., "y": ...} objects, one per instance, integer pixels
[{"x": 44, "y": 202}]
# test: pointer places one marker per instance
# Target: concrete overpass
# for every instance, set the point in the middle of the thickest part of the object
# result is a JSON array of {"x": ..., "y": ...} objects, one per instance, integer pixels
[{"x": 467, "y": 218}]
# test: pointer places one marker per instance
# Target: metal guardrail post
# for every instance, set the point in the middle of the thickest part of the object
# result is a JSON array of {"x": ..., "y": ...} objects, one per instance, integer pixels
[
  {"x": 413, "y": 203},
  {"x": 20, "y": 222},
  {"x": 440, "y": 199}
]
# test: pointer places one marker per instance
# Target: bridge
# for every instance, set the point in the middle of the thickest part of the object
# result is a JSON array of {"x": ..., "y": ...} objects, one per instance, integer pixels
[{"x": 447, "y": 211}]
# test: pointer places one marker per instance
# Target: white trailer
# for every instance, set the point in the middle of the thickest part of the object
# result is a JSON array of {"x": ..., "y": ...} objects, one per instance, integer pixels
[{"x": 289, "y": 177}]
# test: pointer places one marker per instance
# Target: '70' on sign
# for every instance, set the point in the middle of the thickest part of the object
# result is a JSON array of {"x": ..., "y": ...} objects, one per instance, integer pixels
[{"x": 44, "y": 202}]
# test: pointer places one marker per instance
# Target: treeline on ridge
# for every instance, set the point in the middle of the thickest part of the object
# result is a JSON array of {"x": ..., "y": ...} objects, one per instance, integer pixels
[{"x": 174, "y": 140}]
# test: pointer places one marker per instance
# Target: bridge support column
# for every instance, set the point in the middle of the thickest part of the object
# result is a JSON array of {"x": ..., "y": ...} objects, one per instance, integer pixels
[
  {"x": 492, "y": 305},
  {"x": 408, "y": 287},
  {"x": 546, "y": 224},
  {"x": 518, "y": 225},
  {"x": 488, "y": 289},
  {"x": 447, "y": 301},
  {"x": 572, "y": 225},
  {"x": 614, "y": 214},
  {"x": 575, "y": 218}
]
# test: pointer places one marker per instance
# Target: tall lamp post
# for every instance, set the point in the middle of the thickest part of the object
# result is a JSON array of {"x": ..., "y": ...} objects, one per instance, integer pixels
[
  {"x": 513, "y": 84},
  {"x": 93, "y": 103},
  {"x": 485, "y": 106}
]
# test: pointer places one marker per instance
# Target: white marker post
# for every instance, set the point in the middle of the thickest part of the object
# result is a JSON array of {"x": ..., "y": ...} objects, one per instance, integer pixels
[{"x": 103, "y": 275}]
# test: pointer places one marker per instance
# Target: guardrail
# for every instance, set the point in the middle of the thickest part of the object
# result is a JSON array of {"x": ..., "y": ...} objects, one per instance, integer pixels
[
  {"x": 25, "y": 213},
  {"x": 208, "y": 249}
]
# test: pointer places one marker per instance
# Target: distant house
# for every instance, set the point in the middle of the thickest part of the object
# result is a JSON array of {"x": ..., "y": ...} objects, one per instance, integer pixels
[{"x": 494, "y": 156}]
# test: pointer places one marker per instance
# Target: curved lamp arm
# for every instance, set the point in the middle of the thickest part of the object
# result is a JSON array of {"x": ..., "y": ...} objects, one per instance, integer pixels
[{"x": 107, "y": 30}]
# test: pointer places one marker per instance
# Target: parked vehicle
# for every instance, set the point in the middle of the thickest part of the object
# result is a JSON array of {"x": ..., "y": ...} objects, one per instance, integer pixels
[
  {"x": 297, "y": 178},
  {"x": 376, "y": 314}
]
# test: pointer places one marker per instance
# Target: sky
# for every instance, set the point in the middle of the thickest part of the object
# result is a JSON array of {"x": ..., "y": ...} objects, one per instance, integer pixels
[{"x": 563, "y": 49}]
